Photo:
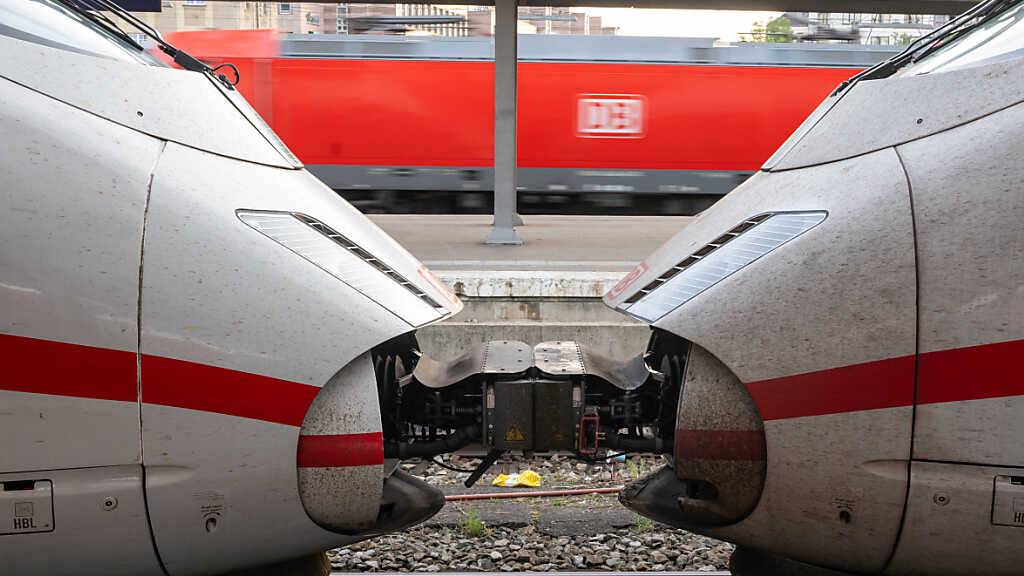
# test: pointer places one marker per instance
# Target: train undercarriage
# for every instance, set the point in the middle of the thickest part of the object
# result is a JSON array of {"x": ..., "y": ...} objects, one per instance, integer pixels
[{"x": 508, "y": 396}]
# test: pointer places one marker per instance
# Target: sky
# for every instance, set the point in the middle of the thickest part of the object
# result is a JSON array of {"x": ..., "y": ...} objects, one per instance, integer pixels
[{"x": 723, "y": 24}]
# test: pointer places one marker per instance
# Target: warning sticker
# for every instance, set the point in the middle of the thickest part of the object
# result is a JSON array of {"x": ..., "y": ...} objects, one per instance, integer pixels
[
  {"x": 437, "y": 283},
  {"x": 24, "y": 516},
  {"x": 514, "y": 434},
  {"x": 628, "y": 279},
  {"x": 28, "y": 505}
]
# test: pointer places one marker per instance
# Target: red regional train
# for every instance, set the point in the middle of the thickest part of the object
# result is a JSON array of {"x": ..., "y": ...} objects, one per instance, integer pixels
[{"x": 611, "y": 121}]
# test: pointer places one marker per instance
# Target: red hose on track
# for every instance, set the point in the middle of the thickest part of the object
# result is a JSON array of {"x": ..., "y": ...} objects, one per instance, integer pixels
[{"x": 537, "y": 494}]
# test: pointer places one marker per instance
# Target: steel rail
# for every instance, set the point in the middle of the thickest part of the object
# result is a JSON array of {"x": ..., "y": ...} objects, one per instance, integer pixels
[
  {"x": 533, "y": 494},
  {"x": 572, "y": 572}
]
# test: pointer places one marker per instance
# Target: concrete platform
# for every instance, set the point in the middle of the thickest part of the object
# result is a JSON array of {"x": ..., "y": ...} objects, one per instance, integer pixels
[
  {"x": 571, "y": 243},
  {"x": 549, "y": 288}
]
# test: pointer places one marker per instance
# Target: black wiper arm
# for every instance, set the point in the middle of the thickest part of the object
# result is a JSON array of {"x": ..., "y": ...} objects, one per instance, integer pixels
[
  {"x": 926, "y": 42},
  {"x": 981, "y": 18},
  {"x": 180, "y": 57},
  {"x": 101, "y": 19}
]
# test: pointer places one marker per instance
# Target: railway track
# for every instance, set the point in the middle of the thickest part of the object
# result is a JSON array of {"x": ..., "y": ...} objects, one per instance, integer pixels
[{"x": 574, "y": 573}]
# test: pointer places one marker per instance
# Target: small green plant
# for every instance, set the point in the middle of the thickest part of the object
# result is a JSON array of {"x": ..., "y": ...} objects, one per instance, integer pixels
[
  {"x": 643, "y": 524},
  {"x": 633, "y": 468},
  {"x": 534, "y": 516},
  {"x": 473, "y": 525}
]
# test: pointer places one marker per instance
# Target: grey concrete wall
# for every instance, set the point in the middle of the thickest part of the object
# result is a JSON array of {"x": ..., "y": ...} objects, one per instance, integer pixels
[{"x": 534, "y": 307}]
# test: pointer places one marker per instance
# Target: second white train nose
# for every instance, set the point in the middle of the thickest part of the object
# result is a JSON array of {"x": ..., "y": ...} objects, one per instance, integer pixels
[{"x": 344, "y": 483}]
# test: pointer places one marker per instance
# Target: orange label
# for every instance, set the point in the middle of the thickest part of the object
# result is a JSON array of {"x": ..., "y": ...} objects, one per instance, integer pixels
[
  {"x": 619, "y": 288},
  {"x": 436, "y": 283}
]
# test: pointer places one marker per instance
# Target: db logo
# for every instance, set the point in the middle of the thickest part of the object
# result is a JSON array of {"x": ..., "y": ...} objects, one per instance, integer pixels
[{"x": 611, "y": 116}]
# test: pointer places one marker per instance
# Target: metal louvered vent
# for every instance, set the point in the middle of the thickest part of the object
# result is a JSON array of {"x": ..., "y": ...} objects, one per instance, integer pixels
[
  {"x": 700, "y": 254},
  {"x": 345, "y": 260},
  {"x": 365, "y": 256},
  {"x": 717, "y": 260}
]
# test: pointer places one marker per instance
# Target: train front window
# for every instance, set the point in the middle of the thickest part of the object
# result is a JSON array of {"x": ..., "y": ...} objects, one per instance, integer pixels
[
  {"x": 998, "y": 37},
  {"x": 55, "y": 24}
]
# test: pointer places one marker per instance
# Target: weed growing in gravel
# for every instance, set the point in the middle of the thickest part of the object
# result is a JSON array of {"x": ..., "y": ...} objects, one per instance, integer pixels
[
  {"x": 534, "y": 516},
  {"x": 473, "y": 525},
  {"x": 643, "y": 524},
  {"x": 634, "y": 469}
]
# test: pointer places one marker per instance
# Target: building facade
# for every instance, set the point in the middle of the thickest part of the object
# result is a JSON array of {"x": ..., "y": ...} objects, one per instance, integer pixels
[
  {"x": 288, "y": 17},
  {"x": 879, "y": 29},
  {"x": 357, "y": 18}
]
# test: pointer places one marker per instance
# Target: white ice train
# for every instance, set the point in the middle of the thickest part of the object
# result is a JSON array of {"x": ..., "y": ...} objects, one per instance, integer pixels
[
  {"x": 186, "y": 323},
  {"x": 851, "y": 327},
  {"x": 209, "y": 361}
]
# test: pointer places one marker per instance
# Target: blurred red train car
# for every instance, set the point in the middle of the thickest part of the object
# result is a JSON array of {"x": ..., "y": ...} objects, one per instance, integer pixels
[{"x": 618, "y": 121}]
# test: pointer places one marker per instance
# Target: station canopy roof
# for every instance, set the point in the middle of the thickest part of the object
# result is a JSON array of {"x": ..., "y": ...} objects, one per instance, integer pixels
[{"x": 855, "y": 6}]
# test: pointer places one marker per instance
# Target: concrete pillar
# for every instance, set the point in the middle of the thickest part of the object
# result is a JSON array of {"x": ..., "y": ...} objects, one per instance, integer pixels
[{"x": 505, "y": 214}]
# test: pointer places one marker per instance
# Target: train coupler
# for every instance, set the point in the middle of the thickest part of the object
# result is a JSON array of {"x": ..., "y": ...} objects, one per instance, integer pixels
[{"x": 507, "y": 396}]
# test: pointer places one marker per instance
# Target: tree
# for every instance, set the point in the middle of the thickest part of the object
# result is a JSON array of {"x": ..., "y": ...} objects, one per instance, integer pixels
[
  {"x": 779, "y": 30},
  {"x": 757, "y": 33},
  {"x": 902, "y": 39}
]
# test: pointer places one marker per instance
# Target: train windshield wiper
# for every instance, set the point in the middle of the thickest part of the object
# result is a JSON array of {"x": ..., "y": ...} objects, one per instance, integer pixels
[
  {"x": 929, "y": 43},
  {"x": 93, "y": 9},
  {"x": 994, "y": 10},
  {"x": 101, "y": 19}
]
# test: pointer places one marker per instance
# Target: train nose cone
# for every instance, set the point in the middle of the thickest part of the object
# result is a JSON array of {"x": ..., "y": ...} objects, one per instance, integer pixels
[
  {"x": 656, "y": 496},
  {"x": 407, "y": 501},
  {"x": 719, "y": 456}
]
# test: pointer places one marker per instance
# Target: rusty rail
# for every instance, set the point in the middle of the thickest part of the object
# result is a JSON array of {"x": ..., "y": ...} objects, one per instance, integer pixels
[{"x": 534, "y": 494}]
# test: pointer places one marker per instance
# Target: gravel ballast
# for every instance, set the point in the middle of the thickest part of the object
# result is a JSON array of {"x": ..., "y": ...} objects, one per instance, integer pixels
[
  {"x": 567, "y": 533},
  {"x": 509, "y": 549}
]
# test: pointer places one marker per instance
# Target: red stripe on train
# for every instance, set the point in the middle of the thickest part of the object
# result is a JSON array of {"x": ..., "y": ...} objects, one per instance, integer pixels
[
  {"x": 733, "y": 445},
  {"x": 341, "y": 450},
  {"x": 955, "y": 375},
  {"x": 61, "y": 369},
  {"x": 194, "y": 386},
  {"x": 975, "y": 372},
  {"x": 881, "y": 384},
  {"x": 50, "y": 367}
]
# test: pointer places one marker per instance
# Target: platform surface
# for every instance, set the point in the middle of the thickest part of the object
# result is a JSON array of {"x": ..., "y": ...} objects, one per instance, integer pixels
[{"x": 550, "y": 243}]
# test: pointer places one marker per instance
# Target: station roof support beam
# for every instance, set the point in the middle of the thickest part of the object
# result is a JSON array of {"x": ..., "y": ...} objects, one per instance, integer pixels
[
  {"x": 950, "y": 7},
  {"x": 505, "y": 94}
]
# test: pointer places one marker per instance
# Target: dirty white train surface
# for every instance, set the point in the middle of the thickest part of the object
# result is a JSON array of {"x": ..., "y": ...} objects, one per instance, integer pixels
[
  {"x": 209, "y": 358},
  {"x": 189, "y": 323},
  {"x": 848, "y": 327}
]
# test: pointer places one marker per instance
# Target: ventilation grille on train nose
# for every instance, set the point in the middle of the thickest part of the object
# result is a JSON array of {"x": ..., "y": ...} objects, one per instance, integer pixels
[
  {"x": 365, "y": 256},
  {"x": 699, "y": 255}
]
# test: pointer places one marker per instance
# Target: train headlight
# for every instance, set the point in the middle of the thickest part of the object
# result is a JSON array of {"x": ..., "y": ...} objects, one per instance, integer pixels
[
  {"x": 346, "y": 261},
  {"x": 727, "y": 254}
]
